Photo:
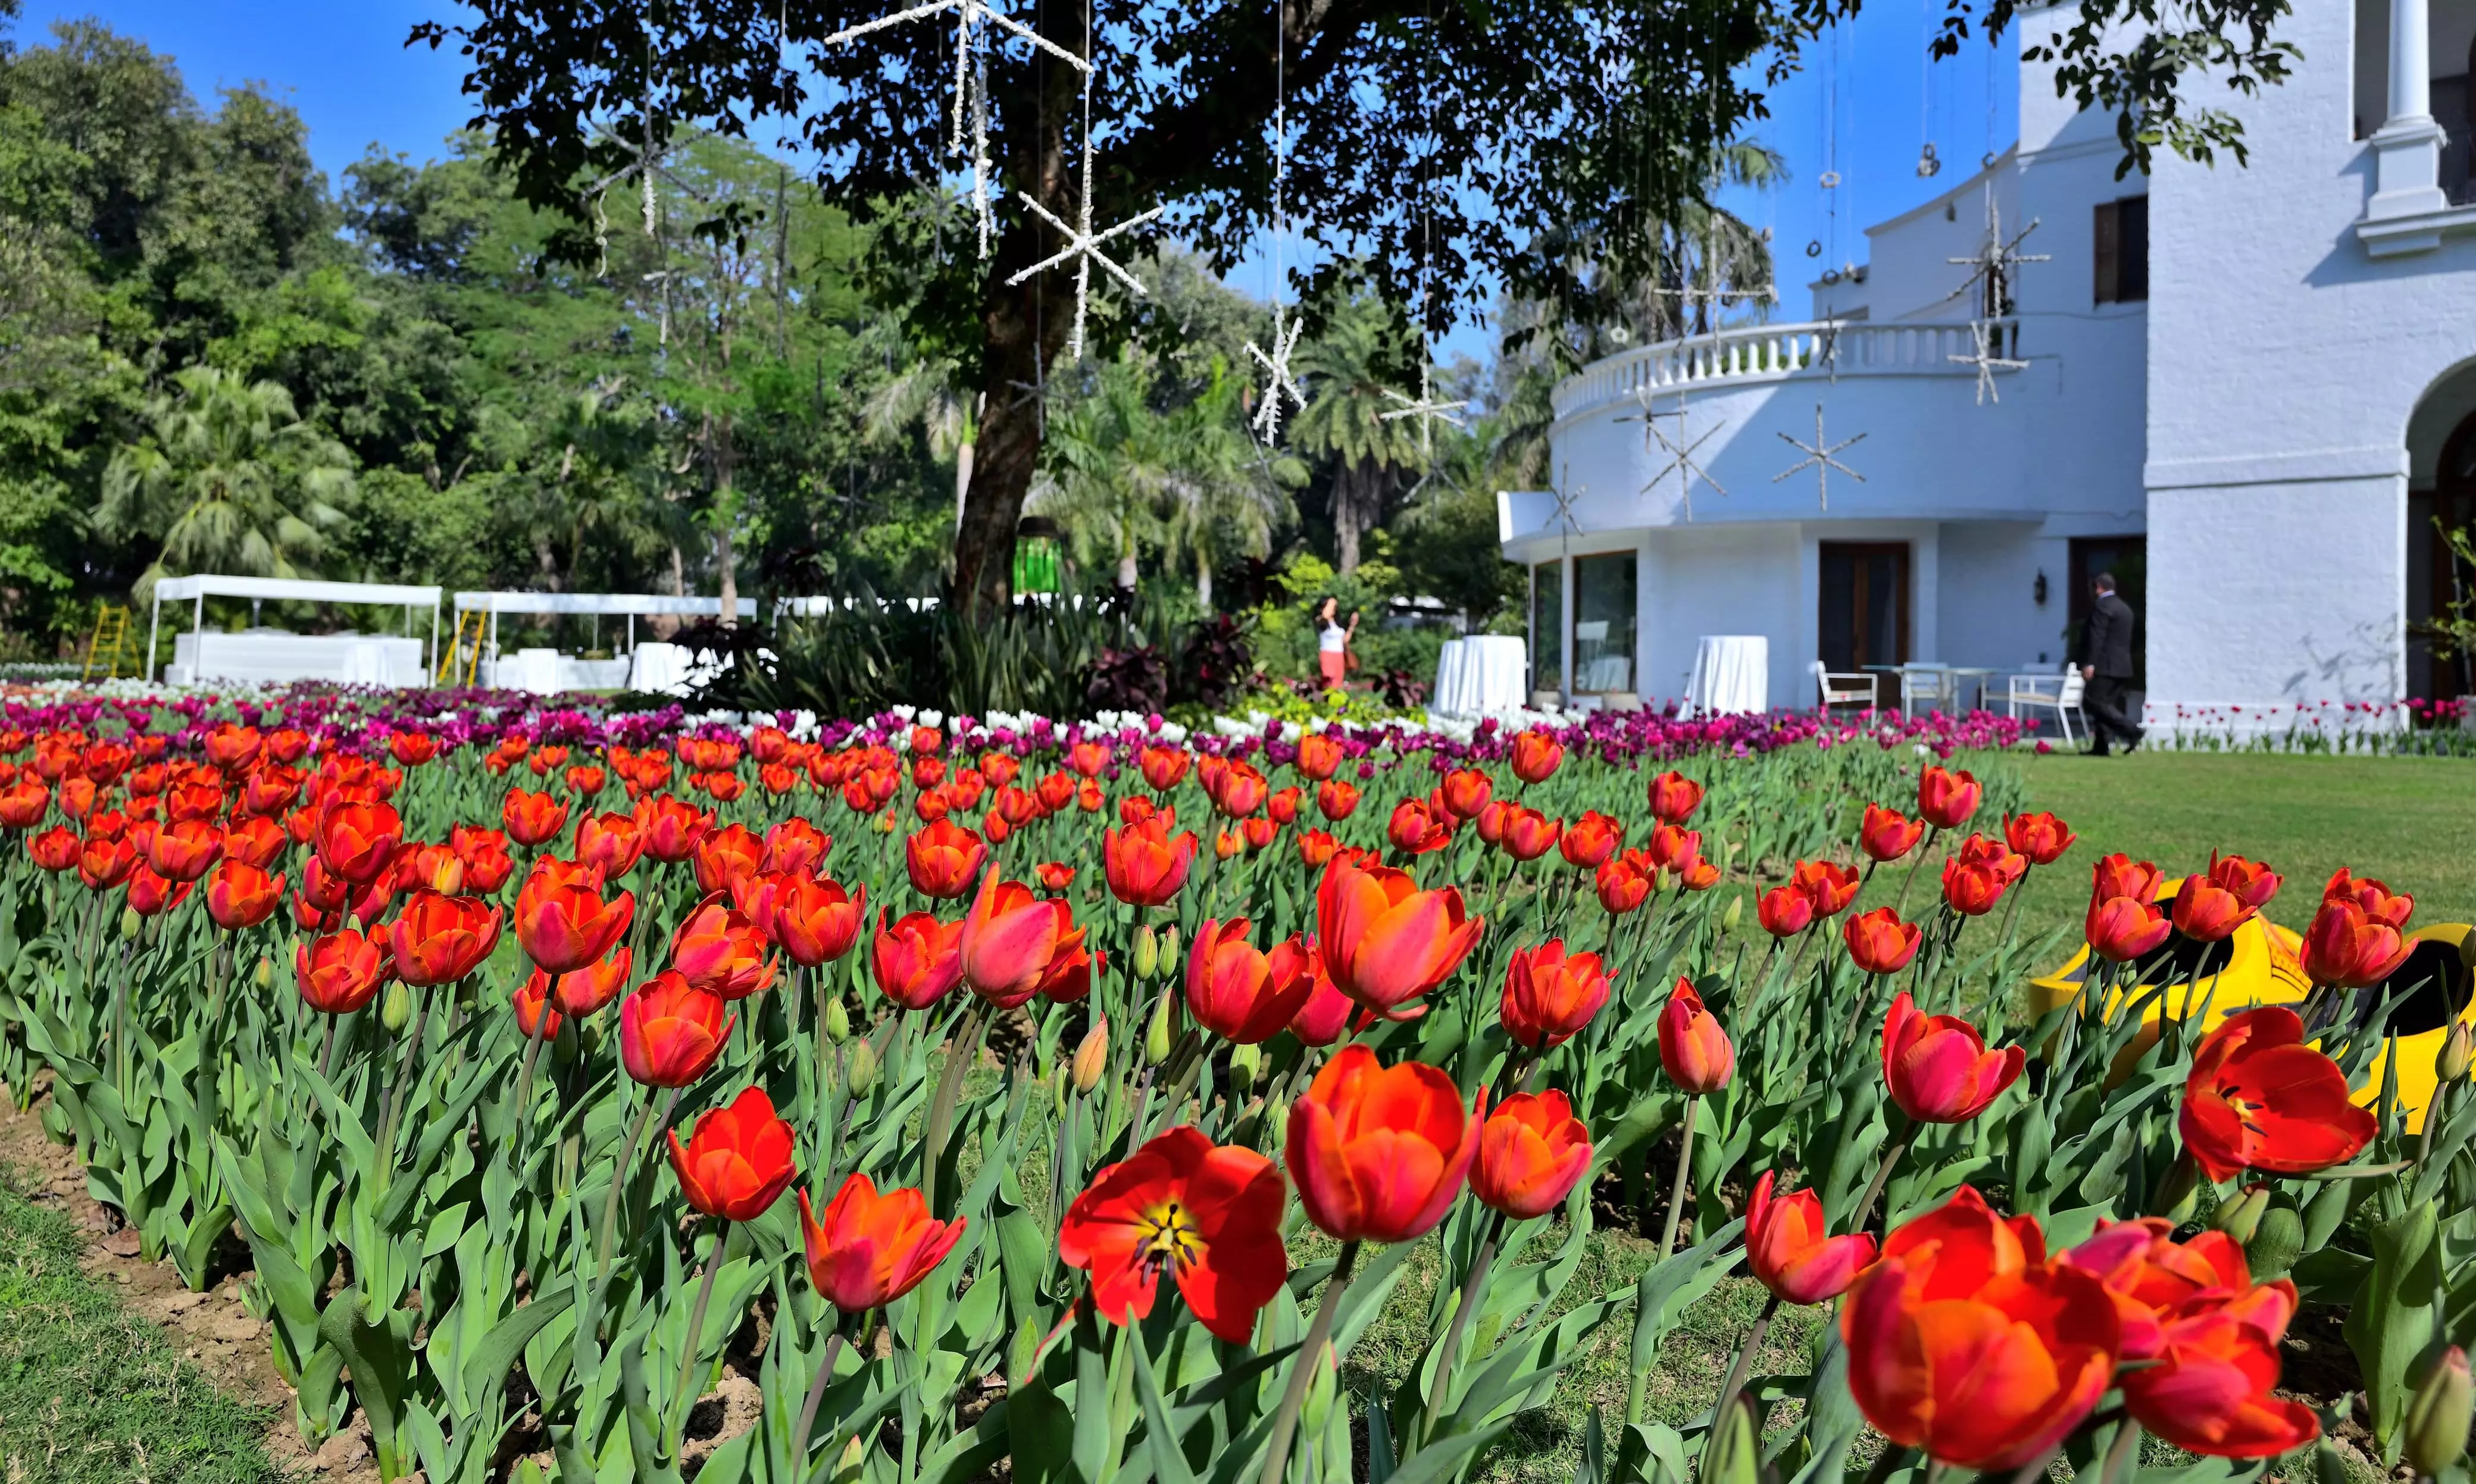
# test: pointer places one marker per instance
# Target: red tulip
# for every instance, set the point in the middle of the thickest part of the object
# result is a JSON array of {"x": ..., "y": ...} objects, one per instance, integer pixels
[
  {"x": 1973, "y": 888},
  {"x": 1938, "y": 1068},
  {"x": 255, "y": 840},
  {"x": 1241, "y": 994},
  {"x": 717, "y": 948},
  {"x": 2121, "y": 876},
  {"x": 1528, "y": 835},
  {"x": 438, "y": 940},
  {"x": 1590, "y": 840},
  {"x": 871, "y": 1248},
  {"x": 737, "y": 1161},
  {"x": 2345, "y": 948},
  {"x": 356, "y": 841},
  {"x": 1336, "y": 799},
  {"x": 1549, "y": 995},
  {"x": 918, "y": 962},
  {"x": 1673, "y": 798},
  {"x": 1946, "y": 798},
  {"x": 2211, "y": 1390},
  {"x": 409, "y": 748},
  {"x": 2150, "y": 1276},
  {"x": 815, "y": 921},
  {"x": 1624, "y": 881},
  {"x": 341, "y": 972},
  {"x": 151, "y": 895},
  {"x": 2258, "y": 1097},
  {"x": 538, "y": 1013},
  {"x": 1784, "y": 911},
  {"x": 1384, "y": 941},
  {"x": 1015, "y": 944},
  {"x": 1209, "y": 1216},
  {"x": 944, "y": 860},
  {"x": 562, "y": 921},
  {"x": 1143, "y": 865},
  {"x": 794, "y": 845},
  {"x": 1319, "y": 757},
  {"x": 55, "y": 849},
  {"x": 584, "y": 991},
  {"x": 1888, "y": 836},
  {"x": 184, "y": 850},
  {"x": 2379, "y": 902},
  {"x": 1532, "y": 1151},
  {"x": 2208, "y": 913},
  {"x": 239, "y": 894},
  {"x": 1964, "y": 1343},
  {"x": 725, "y": 855},
  {"x": 1316, "y": 849},
  {"x": 23, "y": 805},
  {"x": 1879, "y": 942},
  {"x": 2123, "y": 928},
  {"x": 2040, "y": 838},
  {"x": 1786, "y": 1249},
  {"x": 1163, "y": 767},
  {"x": 670, "y": 1031},
  {"x": 2252, "y": 882},
  {"x": 1465, "y": 791},
  {"x": 1693, "y": 1049},
  {"x": 1417, "y": 826},
  {"x": 1536, "y": 756},
  {"x": 531, "y": 818},
  {"x": 1832, "y": 886},
  {"x": 1378, "y": 1153},
  {"x": 1674, "y": 848},
  {"x": 671, "y": 827},
  {"x": 1320, "y": 1022}
]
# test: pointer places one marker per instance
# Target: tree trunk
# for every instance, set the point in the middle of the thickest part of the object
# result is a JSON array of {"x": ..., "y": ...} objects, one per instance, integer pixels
[{"x": 1347, "y": 510}]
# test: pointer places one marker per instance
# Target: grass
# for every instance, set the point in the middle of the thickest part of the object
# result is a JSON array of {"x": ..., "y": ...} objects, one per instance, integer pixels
[{"x": 90, "y": 1392}]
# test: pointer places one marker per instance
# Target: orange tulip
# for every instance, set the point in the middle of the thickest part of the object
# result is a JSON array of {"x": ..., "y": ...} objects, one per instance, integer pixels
[
  {"x": 2121, "y": 876},
  {"x": 611, "y": 841},
  {"x": 723, "y": 856},
  {"x": 671, "y": 1032},
  {"x": 184, "y": 850},
  {"x": 1143, "y": 865},
  {"x": 23, "y": 804},
  {"x": 1938, "y": 1068},
  {"x": 1529, "y": 834},
  {"x": 1964, "y": 1343},
  {"x": 816, "y": 922},
  {"x": 1879, "y": 942},
  {"x": 1088, "y": 758},
  {"x": 1672, "y": 848},
  {"x": 944, "y": 860},
  {"x": 1164, "y": 766},
  {"x": 1693, "y": 1049},
  {"x": 1016, "y": 945},
  {"x": 2206, "y": 910},
  {"x": 1316, "y": 849},
  {"x": 2040, "y": 838},
  {"x": 2211, "y": 1391},
  {"x": 1336, "y": 799},
  {"x": 1784, "y": 911},
  {"x": 340, "y": 972},
  {"x": 562, "y": 921},
  {"x": 584, "y": 991},
  {"x": 230, "y": 748},
  {"x": 738, "y": 1161},
  {"x": 1536, "y": 756},
  {"x": 1384, "y": 941},
  {"x": 438, "y": 940},
  {"x": 1972, "y": 888},
  {"x": 1549, "y": 994},
  {"x": 717, "y": 948},
  {"x": 531, "y": 818},
  {"x": 1467, "y": 791},
  {"x": 538, "y": 1013},
  {"x": 2123, "y": 928},
  {"x": 1626, "y": 881},
  {"x": 2258, "y": 1097},
  {"x": 1532, "y": 1151},
  {"x": 55, "y": 849},
  {"x": 1239, "y": 993},
  {"x": 1319, "y": 757},
  {"x": 1888, "y": 836},
  {"x": 1830, "y": 885},
  {"x": 1946, "y": 798},
  {"x": 1378, "y": 1153},
  {"x": 872, "y": 1249},
  {"x": 151, "y": 895},
  {"x": 356, "y": 841},
  {"x": 2149, "y": 1275},
  {"x": 1590, "y": 840},
  {"x": 918, "y": 960},
  {"x": 239, "y": 894},
  {"x": 1788, "y": 1251}
]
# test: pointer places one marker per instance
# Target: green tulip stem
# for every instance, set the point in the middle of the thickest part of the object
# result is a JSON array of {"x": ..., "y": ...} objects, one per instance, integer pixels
[
  {"x": 1676, "y": 1191},
  {"x": 1745, "y": 1361},
  {"x": 396, "y": 1094},
  {"x": 327, "y": 1050},
  {"x": 524, "y": 1092},
  {"x": 950, "y": 1087},
  {"x": 816, "y": 1397},
  {"x": 619, "y": 1177},
  {"x": 1804, "y": 946},
  {"x": 1899, "y": 907},
  {"x": 1473, "y": 1288},
  {"x": 1302, "y": 1367},
  {"x": 1902, "y": 1132},
  {"x": 2126, "y": 1449},
  {"x": 684, "y": 1397}
]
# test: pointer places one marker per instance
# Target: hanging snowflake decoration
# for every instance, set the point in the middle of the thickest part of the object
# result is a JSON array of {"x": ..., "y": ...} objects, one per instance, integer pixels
[
  {"x": 1278, "y": 383},
  {"x": 1818, "y": 458},
  {"x": 1680, "y": 450},
  {"x": 1995, "y": 266},
  {"x": 1082, "y": 245},
  {"x": 1987, "y": 358},
  {"x": 1427, "y": 407}
]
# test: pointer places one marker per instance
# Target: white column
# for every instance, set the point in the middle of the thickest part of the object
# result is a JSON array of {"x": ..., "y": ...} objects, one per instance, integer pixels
[
  {"x": 1565, "y": 624},
  {"x": 2406, "y": 149}
]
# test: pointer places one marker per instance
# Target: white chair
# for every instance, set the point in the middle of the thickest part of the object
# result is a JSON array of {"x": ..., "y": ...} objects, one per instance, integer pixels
[
  {"x": 1927, "y": 686},
  {"x": 2060, "y": 694},
  {"x": 1844, "y": 687}
]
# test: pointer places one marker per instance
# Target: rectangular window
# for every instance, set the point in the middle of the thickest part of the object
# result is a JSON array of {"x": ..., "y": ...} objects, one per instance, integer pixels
[
  {"x": 1865, "y": 617},
  {"x": 2119, "y": 250},
  {"x": 1548, "y": 625},
  {"x": 1603, "y": 623}
]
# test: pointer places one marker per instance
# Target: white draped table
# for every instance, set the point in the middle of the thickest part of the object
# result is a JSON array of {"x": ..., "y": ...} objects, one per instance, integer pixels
[{"x": 1731, "y": 675}]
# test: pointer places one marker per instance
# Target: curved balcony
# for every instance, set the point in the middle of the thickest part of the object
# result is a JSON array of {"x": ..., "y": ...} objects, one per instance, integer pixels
[{"x": 1770, "y": 352}]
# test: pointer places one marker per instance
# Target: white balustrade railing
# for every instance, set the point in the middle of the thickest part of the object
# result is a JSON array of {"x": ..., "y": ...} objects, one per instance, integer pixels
[{"x": 1773, "y": 352}]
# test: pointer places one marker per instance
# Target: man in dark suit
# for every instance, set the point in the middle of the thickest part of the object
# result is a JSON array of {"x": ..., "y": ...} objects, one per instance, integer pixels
[{"x": 2106, "y": 666}]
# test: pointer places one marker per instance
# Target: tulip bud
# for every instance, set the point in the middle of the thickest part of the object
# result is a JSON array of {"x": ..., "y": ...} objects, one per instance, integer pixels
[
  {"x": 1147, "y": 951},
  {"x": 395, "y": 1011},
  {"x": 1168, "y": 943},
  {"x": 1245, "y": 1062},
  {"x": 1160, "y": 1032},
  {"x": 837, "y": 1018},
  {"x": 1735, "y": 914},
  {"x": 2240, "y": 1215},
  {"x": 1092, "y": 1057},
  {"x": 2457, "y": 1050},
  {"x": 129, "y": 922},
  {"x": 2277, "y": 1241},
  {"x": 2439, "y": 1414},
  {"x": 1733, "y": 1455},
  {"x": 265, "y": 972},
  {"x": 2468, "y": 952},
  {"x": 861, "y": 1075}
]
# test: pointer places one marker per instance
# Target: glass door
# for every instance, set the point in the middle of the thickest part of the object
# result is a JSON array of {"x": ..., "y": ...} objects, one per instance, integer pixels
[{"x": 1865, "y": 617}]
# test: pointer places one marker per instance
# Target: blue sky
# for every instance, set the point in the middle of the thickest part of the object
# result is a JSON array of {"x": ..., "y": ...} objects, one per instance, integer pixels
[{"x": 345, "y": 68}]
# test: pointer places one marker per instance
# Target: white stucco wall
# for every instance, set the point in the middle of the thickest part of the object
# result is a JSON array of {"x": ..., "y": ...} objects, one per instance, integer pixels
[{"x": 2285, "y": 365}]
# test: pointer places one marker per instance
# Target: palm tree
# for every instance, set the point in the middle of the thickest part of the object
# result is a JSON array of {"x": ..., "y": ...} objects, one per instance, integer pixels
[
  {"x": 1345, "y": 371},
  {"x": 231, "y": 479},
  {"x": 928, "y": 392},
  {"x": 1109, "y": 462},
  {"x": 1225, "y": 495}
]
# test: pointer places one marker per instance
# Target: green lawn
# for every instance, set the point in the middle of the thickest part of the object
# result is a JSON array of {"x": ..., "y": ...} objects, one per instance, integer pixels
[{"x": 90, "y": 1392}]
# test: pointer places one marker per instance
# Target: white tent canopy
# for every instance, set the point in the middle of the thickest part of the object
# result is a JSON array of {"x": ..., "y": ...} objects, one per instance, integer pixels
[
  {"x": 200, "y": 586},
  {"x": 596, "y": 603}
]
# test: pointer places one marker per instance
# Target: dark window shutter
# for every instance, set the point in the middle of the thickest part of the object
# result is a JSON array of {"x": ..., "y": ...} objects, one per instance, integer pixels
[
  {"x": 2132, "y": 270},
  {"x": 2106, "y": 252}
]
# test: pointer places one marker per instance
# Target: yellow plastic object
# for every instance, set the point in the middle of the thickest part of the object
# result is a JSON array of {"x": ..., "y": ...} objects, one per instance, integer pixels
[{"x": 2434, "y": 978}]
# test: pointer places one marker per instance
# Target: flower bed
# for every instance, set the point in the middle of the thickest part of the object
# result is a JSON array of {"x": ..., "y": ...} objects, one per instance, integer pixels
[{"x": 1058, "y": 1098}]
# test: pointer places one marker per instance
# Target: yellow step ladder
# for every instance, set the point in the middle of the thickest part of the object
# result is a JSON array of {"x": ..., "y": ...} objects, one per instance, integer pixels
[
  {"x": 463, "y": 650},
  {"x": 108, "y": 649}
]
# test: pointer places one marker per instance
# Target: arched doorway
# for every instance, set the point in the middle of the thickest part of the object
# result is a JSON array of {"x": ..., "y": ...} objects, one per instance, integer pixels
[{"x": 2438, "y": 583}]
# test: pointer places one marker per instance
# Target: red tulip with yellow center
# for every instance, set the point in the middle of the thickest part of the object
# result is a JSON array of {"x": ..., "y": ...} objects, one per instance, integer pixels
[{"x": 1206, "y": 1217}]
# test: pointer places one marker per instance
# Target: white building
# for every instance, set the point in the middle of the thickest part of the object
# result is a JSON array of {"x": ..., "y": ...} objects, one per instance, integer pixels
[{"x": 2246, "y": 389}]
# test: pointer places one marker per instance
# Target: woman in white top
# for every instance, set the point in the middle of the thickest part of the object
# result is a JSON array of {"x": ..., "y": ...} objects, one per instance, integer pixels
[{"x": 1332, "y": 642}]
